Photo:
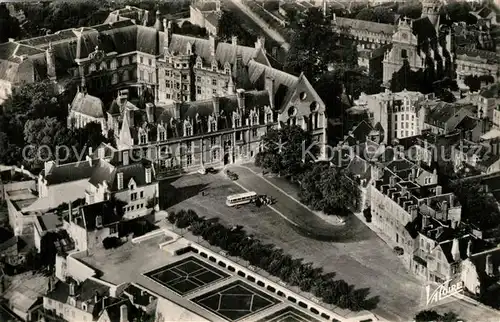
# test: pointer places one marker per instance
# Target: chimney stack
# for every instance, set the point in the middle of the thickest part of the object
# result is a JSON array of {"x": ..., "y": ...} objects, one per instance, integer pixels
[
  {"x": 445, "y": 210},
  {"x": 98, "y": 221},
  {"x": 148, "y": 175},
  {"x": 439, "y": 190},
  {"x": 70, "y": 211},
  {"x": 392, "y": 181},
  {"x": 489, "y": 265},
  {"x": 96, "y": 297},
  {"x": 424, "y": 221},
  {"x": 240, "y": 96},
  {"x": 177, "y": 110},
  {"x": 150, "y": 112},
  {"x": 123, "y": 313},
  {"x": 269, "y": 86},
  {"x": 234, "y": 40},
  {"x": 213, "y": 45}
]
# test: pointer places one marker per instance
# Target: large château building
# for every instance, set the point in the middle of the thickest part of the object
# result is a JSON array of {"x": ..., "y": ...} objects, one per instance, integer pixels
[{"x": 203, "y": 101}]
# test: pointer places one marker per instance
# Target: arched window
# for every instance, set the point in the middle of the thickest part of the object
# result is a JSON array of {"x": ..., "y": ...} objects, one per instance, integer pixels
[{"x": 125, "y": 76}]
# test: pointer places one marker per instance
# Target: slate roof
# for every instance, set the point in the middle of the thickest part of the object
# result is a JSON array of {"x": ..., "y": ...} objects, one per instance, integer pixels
[
  {"x": 139, "y": 296},
  {"x": 105, "y": 209},
  {"x": 476, "y": 246},
  {"x": 88, "y": 105},
  {"x": 424, "y": 30},
  {"x": 205, "y": 6},
  {"x": 491, "y": 57},
  {"x": 70, "y": 172},
  {"x": 467, "y": 123},
  {"x": 479, "y": 260},
  {"x": 113, "y": 311},
  {"x": 368, "y": 26}
]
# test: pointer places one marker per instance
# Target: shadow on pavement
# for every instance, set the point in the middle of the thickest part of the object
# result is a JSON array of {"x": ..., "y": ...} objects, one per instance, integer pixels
[{"x": 170, "y": 195}]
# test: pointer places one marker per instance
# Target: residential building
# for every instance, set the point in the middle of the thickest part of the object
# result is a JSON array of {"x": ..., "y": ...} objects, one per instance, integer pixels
[
  {"x": 398, "y": 115},
  {"x": 443, "y": 118},
  {"x": 481, "y": 272},
  {"x": 86, "y": 109},
  {"x": 476, "y": 62}
]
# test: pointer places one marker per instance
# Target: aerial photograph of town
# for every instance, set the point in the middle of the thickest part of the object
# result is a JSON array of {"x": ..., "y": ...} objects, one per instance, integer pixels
[{"x": 249, "y": 160}]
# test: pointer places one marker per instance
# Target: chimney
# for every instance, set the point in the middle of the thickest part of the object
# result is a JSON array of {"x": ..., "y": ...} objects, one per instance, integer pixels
[
  {"x": 217, "y": 5},
  {"x": 425, "y": 221},
  {"x": 469, "y": 248},
  {"x": 413, "y": 173},
  {"x": 130, "y": 115},
  {"x": 439, "y": 190},
  {"x": 96, "y": 297},
  {"x": 165, "y": 24},
  {"x": 148, "y": 175},
  {"x": 150, "y": 111},
  {"x": 98, "y": 221},
  {"x": 455, "y": 250},
  {"x": 177, "y": 110},
  {"x": 234, "y": 40},
  {"x": 72, "y": 289},
  {"x": 126, "y": 157},
  {"x": 216, "y": 104},
  {"x": 11, "y": 40},
  {"x": 213, "y": 45},
  {"x": 445, "y": 210},
  {"x": 240, "y": 96},
  {"x": 489, "y": 265},
  {"x": 123, "y": 313},
  {"x": 104, "y": 300},
  {"x": 392, "y": 181},
  {"x": 334, "y": 17}
]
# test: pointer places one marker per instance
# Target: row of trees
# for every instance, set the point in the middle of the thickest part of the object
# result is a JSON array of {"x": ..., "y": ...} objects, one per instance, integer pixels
[
  {"x": 187, "y": 28},
  {"x": 273, "y": 260},
  {"x": 33, "y": 124}
]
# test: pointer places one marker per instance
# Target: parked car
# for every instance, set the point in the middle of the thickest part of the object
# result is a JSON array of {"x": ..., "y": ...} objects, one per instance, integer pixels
[
  {"x": 202, "y": 171},
  {"x": 211, "y": 170},
  {"x": 232, "y": 175}
]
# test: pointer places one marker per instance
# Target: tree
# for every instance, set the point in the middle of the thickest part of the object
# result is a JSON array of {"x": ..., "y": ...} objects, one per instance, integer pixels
[
  {"x": 284, "y": 151},
  {"x": 433, "y": 316},
  {"x": 313, "y": 45},
  {"x": 9, "y": 26},
  {"x": 413, "y": 11},
  {"x": 384, "y": 15},
  {"x": 478, "y": 207}
]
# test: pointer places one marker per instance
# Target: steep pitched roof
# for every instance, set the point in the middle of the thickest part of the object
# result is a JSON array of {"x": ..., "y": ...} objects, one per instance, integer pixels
[
  {"x": 105, "y": 171},
  {"x": 88, "y": 105},
  {"x": 490, "y": 57}
]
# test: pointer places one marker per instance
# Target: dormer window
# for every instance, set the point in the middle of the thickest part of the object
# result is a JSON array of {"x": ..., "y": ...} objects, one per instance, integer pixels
[
  {"x": 125, "y": 61},
  {"x": 255, "y": 119},
  {"x": 198, "y": 62},
  {"x": 84, "y": 306},
  {"x": 188, "y": 49},
  {"x": 213, "y": 126},
  {"x": 114, "y": 64},
  {"x": 188, "y": 130},
  {"x": 92, "y": 68},
  {"x": 269, "y": 117},
  {"x": 227, "y": 68},
  {"x": 237, "y": 122},
  {"x": 103, "y": 66},
  {"x": 162, "y": 135}
]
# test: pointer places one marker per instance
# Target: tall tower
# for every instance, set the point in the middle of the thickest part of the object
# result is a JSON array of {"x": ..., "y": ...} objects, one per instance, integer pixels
[{"x": 431, "y": 9}]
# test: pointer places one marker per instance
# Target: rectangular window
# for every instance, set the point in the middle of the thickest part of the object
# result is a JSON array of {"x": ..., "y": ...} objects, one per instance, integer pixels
[
  {"x": 150, "y": 62},
  {"x": 167, "y": 84},
  {"x": 168, "y": 95},
  {"x": 141, "y": 194},
  {"x": 407, "y": 117},
  {"x": 141, "y": 75},
  {"x": 189, "y": 160},
  {"x": 198, "y": 79},
  {"x": 254, "y": 132},
  {"x": 395, "y": 118},
  {"x": 184, "y": 87},
  {"x": 133, "y": 196},
  {"x": 213, "y": 140},
  {"x": 167, "y": 73},
  {"x": 238, "y": 136},
  {"x": 214, "y": 91},
  {"x": 141, "y": 60},
  {"x": 184, "y": 77},
  {"x": 395, "y": 126},
  {"x": 269, "y": 117},
  {"x": 214, "y": 82},
  {"x": 198, "y": 90}
]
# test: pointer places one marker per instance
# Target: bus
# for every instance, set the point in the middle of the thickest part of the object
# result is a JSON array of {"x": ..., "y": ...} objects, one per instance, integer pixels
[{"x": 241, "y": 198}]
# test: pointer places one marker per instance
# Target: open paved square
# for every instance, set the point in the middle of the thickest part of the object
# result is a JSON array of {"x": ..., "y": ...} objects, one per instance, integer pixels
[
  {"x": 186, "y": 275},
  {"x": 235, "y": 301}
]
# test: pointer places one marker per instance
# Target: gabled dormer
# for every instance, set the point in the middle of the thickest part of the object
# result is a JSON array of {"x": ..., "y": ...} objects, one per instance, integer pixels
[
  {"x": 236, "y": 119},
  {"x": 227, "y": 68},
  {"x": 142, "y": 136},
  {"x": 188, "y": 127},
  {"x": 212, "y": 123},
  {"x": 189, "y": 49},
  {"x": 199, "y": 62},
  {"x": 214, "y": 65},
  {"x": 254, "y": 116}
]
